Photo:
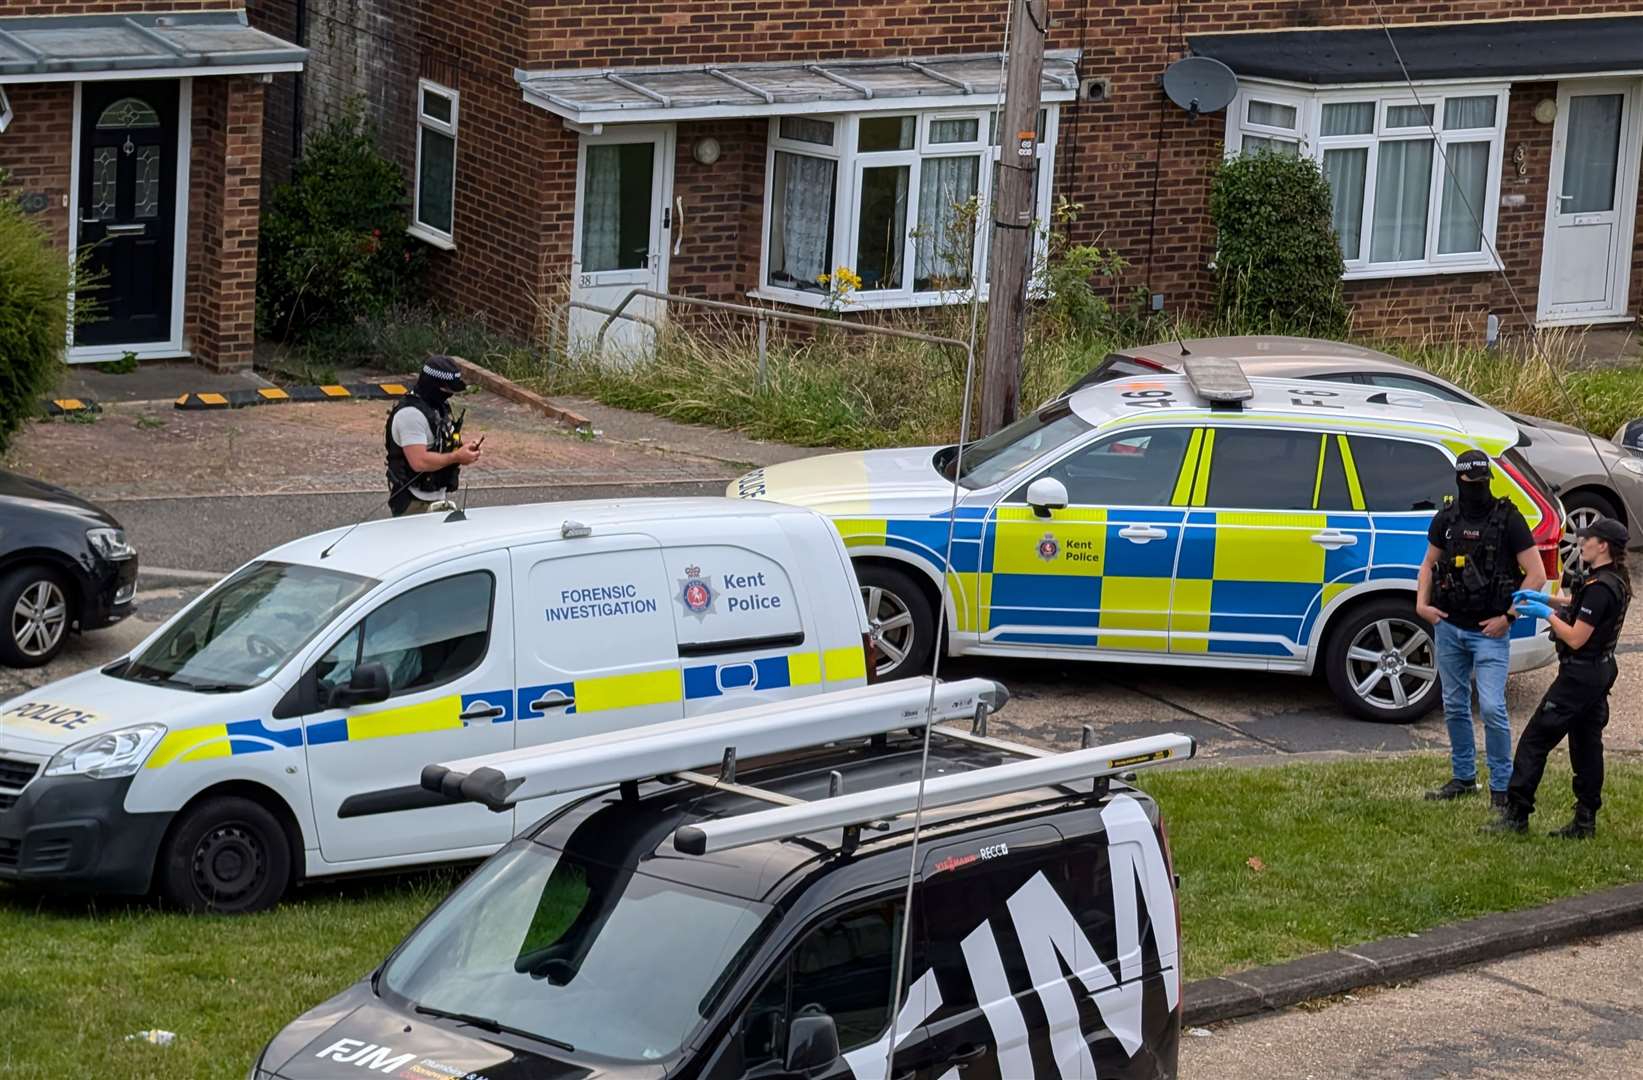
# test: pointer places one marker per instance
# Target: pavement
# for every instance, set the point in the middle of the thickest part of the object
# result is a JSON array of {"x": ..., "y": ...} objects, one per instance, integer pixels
[
  {"x": 154, "y": 381},
  {"x": 1574, "y": 1011}
]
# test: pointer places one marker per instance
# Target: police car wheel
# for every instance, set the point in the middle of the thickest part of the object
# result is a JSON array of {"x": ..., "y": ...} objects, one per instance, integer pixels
[
  {"x": 227, "y": 855},
  {"x": 34, "y": 603},
  {"x": 900, "y": 618},
  {"x": 1381, "y": 663}
]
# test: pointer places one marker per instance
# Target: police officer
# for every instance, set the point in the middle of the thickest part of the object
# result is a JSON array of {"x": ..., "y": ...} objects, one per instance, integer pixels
[
  {"x": 1585, "y": 625},
  {"x": 424, "y": 445},
  {"x": 1479, "y": 552}
]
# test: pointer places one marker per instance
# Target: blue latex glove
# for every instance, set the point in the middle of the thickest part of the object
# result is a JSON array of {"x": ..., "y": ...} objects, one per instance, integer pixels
[
  {"x": 1537, "y": 608},
  {"x": 1535, "y": 595}
]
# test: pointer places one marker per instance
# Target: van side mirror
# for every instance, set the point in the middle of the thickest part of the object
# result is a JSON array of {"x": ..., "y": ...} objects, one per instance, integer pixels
[
  {"x": 1046, "y": 494},
  {"x": 812, "y": 1043},
  {"x": 366, "y": 686}
]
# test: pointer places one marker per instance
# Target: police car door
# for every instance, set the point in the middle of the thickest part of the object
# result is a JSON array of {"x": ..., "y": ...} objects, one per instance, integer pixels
[
  {"x": 445, "y": 640},
  {"x": 1098, "y": 574},
  {"x": 1273, "y": 537},
  {"x": 596, "y": 646}
]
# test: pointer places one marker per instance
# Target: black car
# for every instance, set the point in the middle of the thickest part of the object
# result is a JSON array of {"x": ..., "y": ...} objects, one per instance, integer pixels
[
  {"x": 65, "y": 564},
  {"x": 616, "y": 939}
]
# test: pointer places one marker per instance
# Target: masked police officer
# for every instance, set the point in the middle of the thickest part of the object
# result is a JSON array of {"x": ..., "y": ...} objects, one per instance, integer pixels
[
  {"x": 1479, "y": 552},
  {"x": 425, "y": 451},
  {"x": 1585, "y": 625}
]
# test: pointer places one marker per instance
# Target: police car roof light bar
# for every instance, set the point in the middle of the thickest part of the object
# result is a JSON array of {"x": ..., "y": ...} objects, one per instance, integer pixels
[
  {"x": 676, "y": 747},
  {"x": 1219, "y": 380},
  {"x": 858, "y": 809}
]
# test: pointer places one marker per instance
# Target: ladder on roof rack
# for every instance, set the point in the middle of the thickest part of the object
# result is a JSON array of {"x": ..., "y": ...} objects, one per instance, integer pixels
[{"x": 675, "y": 749}]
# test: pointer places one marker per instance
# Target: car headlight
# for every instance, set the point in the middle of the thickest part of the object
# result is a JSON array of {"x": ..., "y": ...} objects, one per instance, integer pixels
[
  {"x": 110, "y": 543},
  {"x": 1630, "y": 464},
  {"x": 107, "y": 756}
]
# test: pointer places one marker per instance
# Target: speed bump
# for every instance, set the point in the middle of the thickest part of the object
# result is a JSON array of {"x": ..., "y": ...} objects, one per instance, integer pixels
[
  {"x": 272, "y": 395},
  {"x": 64, "y": 406}
]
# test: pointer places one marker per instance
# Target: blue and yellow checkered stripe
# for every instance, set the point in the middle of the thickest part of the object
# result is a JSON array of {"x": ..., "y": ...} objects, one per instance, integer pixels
[{"x": 697, "y": 681}]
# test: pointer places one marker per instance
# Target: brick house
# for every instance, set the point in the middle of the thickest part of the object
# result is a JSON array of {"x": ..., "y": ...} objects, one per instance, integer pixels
[
  {"x": 734, "y": 150},
  {"x": 134, "y": 131}
]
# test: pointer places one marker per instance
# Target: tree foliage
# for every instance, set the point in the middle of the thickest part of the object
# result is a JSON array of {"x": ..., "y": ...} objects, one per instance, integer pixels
[{"x": 35, "y": 279}]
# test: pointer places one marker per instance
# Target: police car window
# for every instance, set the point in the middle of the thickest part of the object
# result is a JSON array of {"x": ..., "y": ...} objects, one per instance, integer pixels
[
  {"x": 1256, "y": 469},
  {"x": 1134, "y": 469},
  {"x": 1401, "y": 476},
  {"x": 1000, "y": 455},
  {"x": 245, "y": 629},
  {"x": 425, "y": 637}
]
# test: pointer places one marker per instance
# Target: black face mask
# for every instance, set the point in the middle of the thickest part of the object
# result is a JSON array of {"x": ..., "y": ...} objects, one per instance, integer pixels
[{"x": 1474, "y": 497}]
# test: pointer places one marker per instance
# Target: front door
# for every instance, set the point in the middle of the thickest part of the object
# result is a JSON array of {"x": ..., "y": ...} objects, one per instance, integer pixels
[
  {"x": 1585, "y": 270},
  {"x": 128, "y": 209},
  {"x": 624, "y": 219}
]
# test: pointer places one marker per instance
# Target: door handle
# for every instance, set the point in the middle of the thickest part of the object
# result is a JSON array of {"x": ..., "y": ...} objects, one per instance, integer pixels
[
  {"x": 125, "y": 230},
  {"x": 553, "y": 699},
  {"x": 1331, "y": 538},
  {"x": 1141, "y": 534},
  {"x": 964, "y": 1055},
  {"x": 481, "y": 710}
]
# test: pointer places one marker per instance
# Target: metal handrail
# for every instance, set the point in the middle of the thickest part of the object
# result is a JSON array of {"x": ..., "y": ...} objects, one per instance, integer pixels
[{"x": 761, "y": 314}]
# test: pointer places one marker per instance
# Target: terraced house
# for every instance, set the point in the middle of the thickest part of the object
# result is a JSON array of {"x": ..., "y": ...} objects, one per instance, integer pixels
[{"x": 134, "y": 131}]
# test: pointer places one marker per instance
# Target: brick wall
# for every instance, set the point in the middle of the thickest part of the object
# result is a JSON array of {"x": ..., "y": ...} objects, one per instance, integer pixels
[
  {"x": 37, "y": 151},
  {"x": 220, "y": 317}
]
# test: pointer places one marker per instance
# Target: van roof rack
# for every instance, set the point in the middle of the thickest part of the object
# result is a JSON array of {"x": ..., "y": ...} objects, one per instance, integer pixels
[
  {"x": 1219, "y": 380},
  {"x": 674, "y": 750}
]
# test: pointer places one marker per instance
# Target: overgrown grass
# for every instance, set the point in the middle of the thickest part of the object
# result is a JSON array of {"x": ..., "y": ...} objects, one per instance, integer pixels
[{"x": 1347, "y": 852}]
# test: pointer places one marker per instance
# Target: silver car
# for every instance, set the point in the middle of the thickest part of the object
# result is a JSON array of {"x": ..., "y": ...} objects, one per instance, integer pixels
[{"x": 1592, "y": 477}]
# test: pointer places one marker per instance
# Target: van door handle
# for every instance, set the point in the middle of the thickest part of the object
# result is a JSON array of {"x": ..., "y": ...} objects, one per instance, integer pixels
[
  {"x": 1334, "y": 538},
  {"x": 967, "y": 1054},
  {"x": 1141, "y": 534},
  {"x": 553, "y": 699},
  {"x": 481, "y": 710}
]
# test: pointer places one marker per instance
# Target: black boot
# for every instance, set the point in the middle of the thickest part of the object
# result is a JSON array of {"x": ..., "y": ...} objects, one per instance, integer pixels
[
  {"x": 1497, "y": 799},
  {"x": 1454, "y": 789},
  {"x": 1509, "y": 820},
  {"x": 1583, "y": 827}
]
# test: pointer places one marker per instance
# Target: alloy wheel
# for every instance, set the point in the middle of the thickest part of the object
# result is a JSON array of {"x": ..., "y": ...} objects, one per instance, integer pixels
[
  {"x": 1391, "y": 663},
  {"x": 891, "y": 625},
  {"x": 1568, "y": 545},
  {"x": 39, "y": 618}
]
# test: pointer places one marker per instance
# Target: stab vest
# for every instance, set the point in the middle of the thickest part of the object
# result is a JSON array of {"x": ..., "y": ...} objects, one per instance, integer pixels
[
  {"x": 447, "y": 436},
  {"x": 1476, "y": 572},
  {"x": 1604, "y": 638}
]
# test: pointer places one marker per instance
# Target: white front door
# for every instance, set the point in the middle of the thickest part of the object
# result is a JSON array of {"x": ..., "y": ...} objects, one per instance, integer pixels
[
  {"x": 1586, "y": 267},
  {"x": 624, "y": 194}
]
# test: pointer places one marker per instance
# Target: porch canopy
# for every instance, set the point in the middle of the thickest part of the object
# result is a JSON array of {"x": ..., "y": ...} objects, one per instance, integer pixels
[
  {"x": 60, "y": 48},
  {"x": 649, "y": 94},
  {"x": 1512, "y": 48}
]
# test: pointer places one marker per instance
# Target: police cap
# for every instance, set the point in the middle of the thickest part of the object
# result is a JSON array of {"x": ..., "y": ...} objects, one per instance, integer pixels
[
  {"x": 1472, "y": 465},
  {"x": 445, "y": 373},
  {"x": 1605, "y": 528}
]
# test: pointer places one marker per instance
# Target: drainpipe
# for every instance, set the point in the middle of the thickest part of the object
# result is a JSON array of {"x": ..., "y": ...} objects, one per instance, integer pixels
[{"x": 296, "y": 95}]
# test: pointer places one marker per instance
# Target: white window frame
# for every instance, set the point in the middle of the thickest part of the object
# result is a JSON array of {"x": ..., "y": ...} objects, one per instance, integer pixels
[
  {"x": 1309, "y": 116},
  {"x": 437, "y": 237},
  {"x": 846, "y": 216},
  {"x": 5, "y": 110}
]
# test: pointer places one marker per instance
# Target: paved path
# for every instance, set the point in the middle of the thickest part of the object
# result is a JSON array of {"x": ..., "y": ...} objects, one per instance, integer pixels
[{"x": 1569, "y": 1012}]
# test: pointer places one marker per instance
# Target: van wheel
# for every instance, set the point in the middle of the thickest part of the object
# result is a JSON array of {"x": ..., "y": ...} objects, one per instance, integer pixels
[
  {"x": 227, "y": 855},
  {"x": 1381, "y": 662},
  {"x": 900, "y": 618},
  {"x": 34, "y": 604}
]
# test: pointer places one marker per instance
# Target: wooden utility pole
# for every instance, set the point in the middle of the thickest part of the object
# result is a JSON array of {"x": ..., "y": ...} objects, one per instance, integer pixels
[{"x": 1014, "y": 201}]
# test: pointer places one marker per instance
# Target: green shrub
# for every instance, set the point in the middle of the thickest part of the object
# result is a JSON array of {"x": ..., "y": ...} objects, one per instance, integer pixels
[
  {"x": 1277, "y": 263},
  {"x": 334, "y": 246},
  {"x": 34, "y": 291}
]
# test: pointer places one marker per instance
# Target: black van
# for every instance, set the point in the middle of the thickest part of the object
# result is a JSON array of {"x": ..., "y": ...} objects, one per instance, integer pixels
[{"x": 1044, "y": 939}]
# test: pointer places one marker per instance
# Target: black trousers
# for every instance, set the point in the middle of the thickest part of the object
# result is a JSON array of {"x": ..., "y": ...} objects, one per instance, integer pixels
[{"x": 1576, "y": 706}]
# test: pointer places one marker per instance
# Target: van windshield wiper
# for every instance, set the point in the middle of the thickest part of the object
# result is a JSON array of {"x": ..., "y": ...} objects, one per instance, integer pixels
[{"x": 485, "y": 1023}]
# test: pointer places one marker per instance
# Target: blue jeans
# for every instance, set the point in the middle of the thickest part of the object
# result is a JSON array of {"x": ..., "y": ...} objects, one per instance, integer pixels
[{"x": 1462, "y": 656}]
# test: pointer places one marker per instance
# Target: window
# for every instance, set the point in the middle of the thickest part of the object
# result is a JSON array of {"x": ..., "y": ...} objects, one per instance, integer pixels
[
  {"x": 1401, "y": 476},
  {"x": 5, "y": 110},
  {"x": 425, "y": 637},
  {"x": 1418, "y": 385},
  {"x": 893, "y": 197},
  {"x": 1000, "y": 454},
  {"x": 436, "y": 118},
  {"x": 1135, "y": 469},
  {"x": 1252, "y": 469},
  {"x": 1415, "y": 183},
  {"x": 618, "y": 186}
]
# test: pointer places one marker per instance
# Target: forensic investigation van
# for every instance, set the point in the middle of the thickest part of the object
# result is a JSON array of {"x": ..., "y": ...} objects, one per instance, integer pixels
[
  {"x": 211, "y": 762},
  {"x": 731, "y": 905}
]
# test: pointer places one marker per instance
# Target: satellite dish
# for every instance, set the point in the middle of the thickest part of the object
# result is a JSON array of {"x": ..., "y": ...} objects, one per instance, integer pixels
[{"x": 1200, "y": 84}]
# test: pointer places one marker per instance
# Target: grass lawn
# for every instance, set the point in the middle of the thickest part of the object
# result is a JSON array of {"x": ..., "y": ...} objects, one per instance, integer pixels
[{"x": 1348, "y": 852}]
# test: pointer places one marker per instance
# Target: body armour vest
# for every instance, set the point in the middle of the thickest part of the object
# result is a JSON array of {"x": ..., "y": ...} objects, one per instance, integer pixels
[
  {"x": 1604, "y": 638},
  {"x": 446, "y": 438},
  {"x": 1476, "y": 573}
]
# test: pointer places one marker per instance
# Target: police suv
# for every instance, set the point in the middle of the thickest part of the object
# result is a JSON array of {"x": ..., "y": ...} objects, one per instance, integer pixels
[
  {"x": 742, "y": 924},
  {"x": 1205, "y": 520},
  {"x": 211, "y": 762}
]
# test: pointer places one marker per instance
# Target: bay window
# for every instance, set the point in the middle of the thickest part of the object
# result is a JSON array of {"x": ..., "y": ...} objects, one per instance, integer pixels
[
  {"x": 894, "y": 197},
  {"x": 1414, "y": 183}
]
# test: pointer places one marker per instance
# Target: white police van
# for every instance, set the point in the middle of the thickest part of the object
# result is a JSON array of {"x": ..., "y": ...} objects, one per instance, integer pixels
[{"x": 212, "y": 761}]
